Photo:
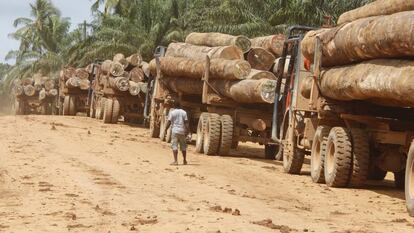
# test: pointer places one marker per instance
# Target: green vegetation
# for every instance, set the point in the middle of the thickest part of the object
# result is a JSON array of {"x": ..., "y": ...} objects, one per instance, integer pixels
[{"x": 47, "y": 44}]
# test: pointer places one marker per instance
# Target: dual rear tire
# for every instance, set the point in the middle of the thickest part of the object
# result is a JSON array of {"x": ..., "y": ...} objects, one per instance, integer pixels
[
  {"x": 111, "y": 111},
  {"x": 69, "y": 106}
]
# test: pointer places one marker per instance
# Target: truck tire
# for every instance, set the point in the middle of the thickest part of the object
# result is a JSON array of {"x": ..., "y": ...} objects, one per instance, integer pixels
[
  {"x": 66, "y": 106},
  {"x": 154, "y": 127},
  {"x": 338, "y": 158},
  {"x": 163, "y": 124},
  {"x": 360, "y": 157},
  {"x": 409, "y": 181},
  {"x": 116, "y": 108},
  {"x": 318, "y": 153},
  {"x": 212, "y": 134},
  {"x": 107, "y": 116},
  {"x": 226, "y": 136},
  {"x": 72, "y": 106},
  {"x": 293, "y": 157},
  {"x": 202, "y": 123},
  {"x": 271, "y": 151}
]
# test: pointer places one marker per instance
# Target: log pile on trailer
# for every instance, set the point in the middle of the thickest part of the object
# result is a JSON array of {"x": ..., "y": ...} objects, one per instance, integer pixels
[
  {"x": 120, "y": 88},
  {"x": 35, "y": 95},
  {"x": 227, "y": 97}
]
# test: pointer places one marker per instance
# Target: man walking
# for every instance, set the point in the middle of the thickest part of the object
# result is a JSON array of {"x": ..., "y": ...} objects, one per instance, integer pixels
[{"x": 178, "y": 120}]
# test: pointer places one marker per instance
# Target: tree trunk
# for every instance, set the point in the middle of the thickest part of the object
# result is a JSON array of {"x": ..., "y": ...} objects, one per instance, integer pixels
[
  {"x": 218, "y": 39},
  {"x": 188, "y": 68},
  {"x": 260, "y": 59},
  {"x": 134, "y": 60},
  {"x": 42, "y": 94},
  {"x": 117, "y": 69},
  {"x": 106, "y": 66},
  {"x": 73, "y": 82},
  {"x": 134, "y": 88},
  {"x": 384, "y": 82},
  {"x": 377, "y": 8},
  {"x": 119, "y": 83},
  {"x": 185, "y": 86},
  {"x": 260, "y": 74},
  {"x": 145, "y": 68},
  {"x": 247, "y": 91},
  {"x": 144, "y": 87},
  {"x": 200, "y": 52},
  {"x": 18, "y": 90},
  {"x": 84, "y": 84},
  {"x": 82, "y": 73},
  {"x": 377, "y": 37},
  {"x": 29, "y": 90},
  {"x": 273, "y": 44},
  {"x": 27, "y": 81},
  {"x": 136, "y": 75},
  {"x": 49, "y": 84},
  {"x": 52, "y": 92},
  {"x": 120, "y": 58}
]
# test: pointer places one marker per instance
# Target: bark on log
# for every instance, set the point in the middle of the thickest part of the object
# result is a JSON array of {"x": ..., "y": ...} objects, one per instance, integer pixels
[
  {"x": 136, "y": 75},
  {"x": 117, "y": 69},
  {"x": 188, "y": 68},
  {"x": 377, "y": 8},
  {"x": 106, "y": 66},
  {"x": 120, "y": 58},
  {"x": 247, "y": 91},
  {"x": 185, "y": 86},
  {"x": 273, "y": 44},
  {"x": 49, "y": 84},
  {"x": 260, "y": 74},
  {"x": 52, "y": 92},
  {"x": 218, "y": 39},
  {"x": 200, "y": 52},
  {"x": 134, "y": 88},
  {"x": 42, "y": 94},
  {"x": 18, "y": 90},
  {"x": 73, "y": 82},
  {"x": 119, "y": 83},
  {"x": 134, "y": 60},
  {"x": 377, "y": 37},
  {"x": 84, "y": 84},
  {"x": 82, "y": 73},
  {"x": 68, "y": 73},
  {"x": 145, "y": 68},
  {"x": 27, "y": 81},
  {"x": 260, "y": 59},
  {"x": 29, "y": 90},
  {"x": 384, "y": 82}
]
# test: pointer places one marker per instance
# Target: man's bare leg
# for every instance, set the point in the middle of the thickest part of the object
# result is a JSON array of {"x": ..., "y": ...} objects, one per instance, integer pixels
[
  {"x": 185, "y": 157},
  {"x": 175, "y": 153}
]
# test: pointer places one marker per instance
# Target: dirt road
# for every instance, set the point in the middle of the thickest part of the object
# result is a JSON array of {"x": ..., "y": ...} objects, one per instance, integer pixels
[{"x": 77, "y": 175}]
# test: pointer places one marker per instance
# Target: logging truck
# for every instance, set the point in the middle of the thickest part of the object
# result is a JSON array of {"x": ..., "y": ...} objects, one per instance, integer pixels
[
  {"x": 218, "y": 120},
  {"x": 349, "y": 141},
  {"x": 35, "y": 96},
  {"x": 119, "y": 90},
  {"x": 75, "y": 90}
]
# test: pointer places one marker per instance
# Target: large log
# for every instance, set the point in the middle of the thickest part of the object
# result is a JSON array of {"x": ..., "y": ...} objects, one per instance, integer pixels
[
  {"x": 260, "y": 74},
  {"x": 134, "y": 60},
  {"x": 242, "y": 91},
  {"x": 49, "y": 84},
  {"x": 116, "y": 69},
  {"x": 200, "y": 52},
  {"x": 218, "y": 39},
  {"x": 29, "y": 90},
  {"x": 106, "y": 66},
  {"x": 260, "y": 59},
  {"x": 273, "y": 44},
  {"x": 119, "y": 83},
  {"x": 134, "y": 88},
  {"x": 84, "y": 84},
  {"x": 377, "y": 8},
  {"x": 120, "y": 58},
  {"x": 145, "y": 68},
  {"x": 247, "y": 91},
  {"x": 188, "y": 68},
  {"x": 73, "y": 82},
  {"x": 377, "y": 37},
  {"x": 384, "y": 82},
  {"x": 68, "y": 73},
  {"x": 136, "y": 75},
  {"x": 144, "y": 87},
  {"x": 42, "y": 94},
  {"x": 52, "y": 92},
  {"x": 27, "y": 81},
  {"x": 82, "y": 73},
  {"x": 18, "y": 90}
]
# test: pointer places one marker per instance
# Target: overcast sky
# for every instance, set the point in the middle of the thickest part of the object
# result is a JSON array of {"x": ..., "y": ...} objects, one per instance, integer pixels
[{"x": 76, "y": 10}]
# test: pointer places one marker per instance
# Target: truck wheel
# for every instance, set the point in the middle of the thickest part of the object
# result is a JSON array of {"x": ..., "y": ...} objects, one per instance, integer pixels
[
  {"x": 154, "y": 127},
  {"x": 292, "y": 157},
  {"x": 226, "y": 137},
  {"x": 98, "y": 109},
  {"x": 107, "y": 116},
  {"x": 66, "y": 106},
  {"x": 116, "y": 107},
  {"x": 318, "y": 152},
  {"x": 212, "y": 134},
  {"x": 338, "y": 158},
  {"x": 202, "y": 122},
  {"x": 102, "y": 108},
  {"x": 72, "y": 106},
  {"x": 271, "y": 151},
  {"x": 360, "y": 157},
  {"x": 409, "y": 181}
]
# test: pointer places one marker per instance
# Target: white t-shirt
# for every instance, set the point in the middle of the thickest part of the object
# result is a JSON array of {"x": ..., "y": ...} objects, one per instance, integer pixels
[{"x": 178, "y": 117}]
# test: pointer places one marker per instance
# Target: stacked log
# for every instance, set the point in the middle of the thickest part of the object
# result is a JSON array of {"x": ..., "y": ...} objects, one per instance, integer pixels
[
  {"x": 72, "y": 78},
  {"x": 273, "y": 44},
  {"x": 218, "y": 39},
  {"x": 36, "y": 85},
  {"x": 260, "y": 59},
  {"x": 367, "y": 59},
  {"x": 200, "y": 52}
]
